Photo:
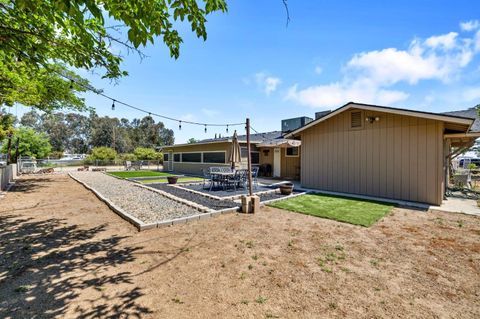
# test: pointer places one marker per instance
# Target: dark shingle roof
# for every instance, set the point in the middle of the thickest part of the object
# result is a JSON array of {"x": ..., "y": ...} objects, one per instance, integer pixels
[
  {"x": 470, "y": 113},
  {"x": 256, "y": 137}
]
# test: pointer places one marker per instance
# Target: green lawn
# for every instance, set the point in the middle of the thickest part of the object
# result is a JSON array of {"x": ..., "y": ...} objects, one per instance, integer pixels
[
  {"x": 133, "y": 174},
  {"x": 353, "y": 211},
  {"x": 164, "y": 180}
]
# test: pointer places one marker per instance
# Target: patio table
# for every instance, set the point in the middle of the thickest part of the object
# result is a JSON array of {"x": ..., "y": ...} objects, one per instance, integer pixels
[{"x": 221, "y": 177}]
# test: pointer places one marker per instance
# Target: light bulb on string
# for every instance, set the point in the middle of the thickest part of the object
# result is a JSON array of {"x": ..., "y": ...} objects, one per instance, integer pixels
[
  {"x": 227, "y": 128},
  {"x": 179, "y": 125},
  {"x": 205, "y": 128},
  {"x": 113, "y": 105}
]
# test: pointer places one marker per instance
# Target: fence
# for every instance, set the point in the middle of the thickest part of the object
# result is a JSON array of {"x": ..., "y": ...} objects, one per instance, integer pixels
[{"x": 34, "y": 165}]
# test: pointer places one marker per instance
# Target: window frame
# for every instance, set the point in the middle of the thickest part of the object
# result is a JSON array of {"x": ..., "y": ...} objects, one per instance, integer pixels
[{"x": 292, "y": 147}]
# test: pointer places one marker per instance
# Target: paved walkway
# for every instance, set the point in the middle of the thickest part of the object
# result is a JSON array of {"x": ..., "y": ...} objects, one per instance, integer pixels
[{"x": 459, "y": 205}]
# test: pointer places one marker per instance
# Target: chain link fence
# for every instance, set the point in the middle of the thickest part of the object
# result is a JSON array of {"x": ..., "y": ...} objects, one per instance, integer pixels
[{"x": 29, "y": 166}]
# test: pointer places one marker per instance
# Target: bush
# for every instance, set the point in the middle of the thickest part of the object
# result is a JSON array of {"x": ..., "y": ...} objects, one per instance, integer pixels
[
  {"x": 143, "y": 153},
  {"x": 128, "y": 157},
  {"x": 102, "y": 154},
  {"x": 56, "y": 155}
]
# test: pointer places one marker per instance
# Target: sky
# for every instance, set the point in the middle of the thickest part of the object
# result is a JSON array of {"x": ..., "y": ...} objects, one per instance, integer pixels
[{"x": 422, "y": 54}]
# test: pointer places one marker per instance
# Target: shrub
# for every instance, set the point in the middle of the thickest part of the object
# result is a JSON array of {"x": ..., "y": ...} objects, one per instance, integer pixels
[
  {"x": 102, "y": 154},
  {"x": 128, "y": 157},
  {"x": 56, "y": 154},
  {"x": 144, "y": 153}
]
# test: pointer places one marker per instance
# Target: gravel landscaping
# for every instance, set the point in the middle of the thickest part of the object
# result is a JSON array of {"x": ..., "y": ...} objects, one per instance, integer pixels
[
  {"x": 141, "y": 203},
  {"x": 197, "y": 198}
]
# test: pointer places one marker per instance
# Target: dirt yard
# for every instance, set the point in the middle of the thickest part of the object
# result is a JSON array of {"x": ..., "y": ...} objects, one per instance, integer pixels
[{"x": 64, "y": 254}]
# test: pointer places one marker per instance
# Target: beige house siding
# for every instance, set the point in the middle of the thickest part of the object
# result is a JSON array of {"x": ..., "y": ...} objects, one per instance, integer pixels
[
  {"x": 196, "y": 168},
  {"x": 398, "y": 157},
  {"x": 290, "y": 165}
]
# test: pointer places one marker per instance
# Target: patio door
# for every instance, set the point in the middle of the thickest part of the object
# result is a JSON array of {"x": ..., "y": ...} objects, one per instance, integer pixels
[
  {"x": 277, "y": 162},
  {"x": 169, "y": 163}
]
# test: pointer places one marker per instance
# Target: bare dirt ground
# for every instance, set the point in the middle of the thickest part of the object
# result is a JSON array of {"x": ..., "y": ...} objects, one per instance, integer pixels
[{"x": 64, "y": 254}]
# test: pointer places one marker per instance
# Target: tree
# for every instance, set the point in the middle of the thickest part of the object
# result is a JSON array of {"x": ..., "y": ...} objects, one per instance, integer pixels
[
  {"x": 6, "y": 124},
  {"x": 102, "y": 154},
  {"x": 107, "y": 131},
  {"x": 81, "y": 33},
  {"x": 192, "y": 140},
  {"x": 147, "y": 133},
  {"x": 31, "y": 143},
  {"x": 144, "y": 153}
]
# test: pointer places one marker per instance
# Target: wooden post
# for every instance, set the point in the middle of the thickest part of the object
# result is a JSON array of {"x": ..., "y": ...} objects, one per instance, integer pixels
[
  {"x": 16, "y": 149},
  {"x": 9, "y": 149},
  {"x": 249, "y": 159}
]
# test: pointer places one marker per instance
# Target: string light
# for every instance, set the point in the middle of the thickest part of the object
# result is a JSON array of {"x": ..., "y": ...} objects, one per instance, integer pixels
[
  {"x": 180, "y": 125},
  {"x": 100, "y": 92}
]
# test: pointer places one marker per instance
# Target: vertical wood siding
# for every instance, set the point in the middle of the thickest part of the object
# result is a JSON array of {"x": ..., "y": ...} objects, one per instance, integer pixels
[{"x": 398, "y": 157}]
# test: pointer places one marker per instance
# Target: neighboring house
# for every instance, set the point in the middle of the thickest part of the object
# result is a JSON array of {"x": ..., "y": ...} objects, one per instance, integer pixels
[
  {"x": 276, "y": 156},
  {"x": 383, "y": 152}
]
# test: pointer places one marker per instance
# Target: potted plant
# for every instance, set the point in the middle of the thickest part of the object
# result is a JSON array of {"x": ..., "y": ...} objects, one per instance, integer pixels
[
  {"x": 172, "y": 179},
  {"x": 286, "y": 189}
]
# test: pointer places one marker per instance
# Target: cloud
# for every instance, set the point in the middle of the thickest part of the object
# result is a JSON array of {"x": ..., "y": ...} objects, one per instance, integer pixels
[
  {"x": 318, "y": 69},
  {"x": 370, "y": 76},
  {"x": 469, "y": 25},
  {"x": 209, "y": 112},
  {"x": 267, "y": 83},
  {"x": 335, "y": 94},
  {"x": 471, "y": 94}
]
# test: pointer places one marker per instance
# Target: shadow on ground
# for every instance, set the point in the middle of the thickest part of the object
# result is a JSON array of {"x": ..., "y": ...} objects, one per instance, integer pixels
[{"x": 45, "y": 265}]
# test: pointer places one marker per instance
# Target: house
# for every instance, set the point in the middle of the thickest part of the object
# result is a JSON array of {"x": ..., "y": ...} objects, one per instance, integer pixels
[
  {"x": 273, "y": 154},
  {"x": 382, "y": 151}
]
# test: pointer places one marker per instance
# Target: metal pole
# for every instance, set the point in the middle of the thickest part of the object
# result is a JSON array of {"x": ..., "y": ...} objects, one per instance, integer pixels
[{"x": 249, "y": 159}]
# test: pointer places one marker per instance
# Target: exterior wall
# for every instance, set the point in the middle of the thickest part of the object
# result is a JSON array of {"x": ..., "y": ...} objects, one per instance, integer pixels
[
  {"x": 290, "y": 165},
  {"x": 398, "y": 157},
  {"x": 196, "y": 168}
]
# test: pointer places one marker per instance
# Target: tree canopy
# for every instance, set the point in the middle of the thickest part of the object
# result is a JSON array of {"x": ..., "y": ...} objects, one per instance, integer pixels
[
  {"x": 31, "y": 143},
  {"x": 81, "y": 33},
  {"x": 40, "y": 40}
]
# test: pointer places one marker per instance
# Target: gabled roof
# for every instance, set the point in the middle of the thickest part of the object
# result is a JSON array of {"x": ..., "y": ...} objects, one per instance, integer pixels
[
  {"x": 457, "y": 119},
  {"x": 469, "y": 113}
]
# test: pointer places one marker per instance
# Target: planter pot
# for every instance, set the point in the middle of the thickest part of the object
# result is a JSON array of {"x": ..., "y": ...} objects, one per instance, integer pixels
[
  {"x": 172, "y": 179},
  {"x": 286, "y": 189}
]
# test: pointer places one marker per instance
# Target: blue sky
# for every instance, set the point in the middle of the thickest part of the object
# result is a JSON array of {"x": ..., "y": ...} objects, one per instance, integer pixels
[{"x": 415, "y": 54}]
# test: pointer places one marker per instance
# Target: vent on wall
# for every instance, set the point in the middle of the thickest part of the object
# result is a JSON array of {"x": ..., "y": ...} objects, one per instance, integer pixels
[{"x": 356, "y": 119}]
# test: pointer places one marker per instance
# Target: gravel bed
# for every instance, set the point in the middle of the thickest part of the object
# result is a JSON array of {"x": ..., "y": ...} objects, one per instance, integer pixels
[
  {"x": 196, "y": 198},
  {"x": 146, "y": 205},
  {"x": 219, "y": 192}
]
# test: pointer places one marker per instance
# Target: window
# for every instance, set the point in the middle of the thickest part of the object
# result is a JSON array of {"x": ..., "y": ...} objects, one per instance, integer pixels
[
  {"x": 214, "y": 157},
  {"x": 255, "y": 155},
  {"x": 356, "y": 119},
  {"x": 292, "y": 151},
  {"x": 165, "y": 157},
  {"x": 176, "y": 157},
  {"x": 255, "y": 158},
  {"x": 192, "y": 157}
]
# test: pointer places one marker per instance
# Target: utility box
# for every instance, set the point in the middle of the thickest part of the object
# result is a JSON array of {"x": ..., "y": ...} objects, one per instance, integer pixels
[{"x": 290, "y": 125}]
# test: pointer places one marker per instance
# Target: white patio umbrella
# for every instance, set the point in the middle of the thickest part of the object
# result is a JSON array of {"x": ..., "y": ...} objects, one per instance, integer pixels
[{"x": 235, "y": 152}]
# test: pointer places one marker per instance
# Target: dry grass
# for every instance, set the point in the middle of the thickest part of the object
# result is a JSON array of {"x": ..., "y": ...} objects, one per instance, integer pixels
[{"x": 64, "y": 254}]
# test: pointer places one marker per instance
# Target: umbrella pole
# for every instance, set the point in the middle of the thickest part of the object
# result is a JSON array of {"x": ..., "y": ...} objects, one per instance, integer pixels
[{"x": 249, "y": 159}]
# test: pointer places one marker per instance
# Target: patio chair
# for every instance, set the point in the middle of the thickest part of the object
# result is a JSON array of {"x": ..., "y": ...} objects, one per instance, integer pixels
[
  {"x": 214, "y": 178},
  {"x": 128, "y": 165},
  {"x": 207, "y": 177},
  {"x": 255, "y": 171},
  {"x": 238, "y": 180}
]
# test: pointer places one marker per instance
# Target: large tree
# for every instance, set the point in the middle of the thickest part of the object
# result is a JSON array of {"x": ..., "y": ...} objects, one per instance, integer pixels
[
  {"x": 40, "y": 39},
  {"x": 32, "y": 143}
]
